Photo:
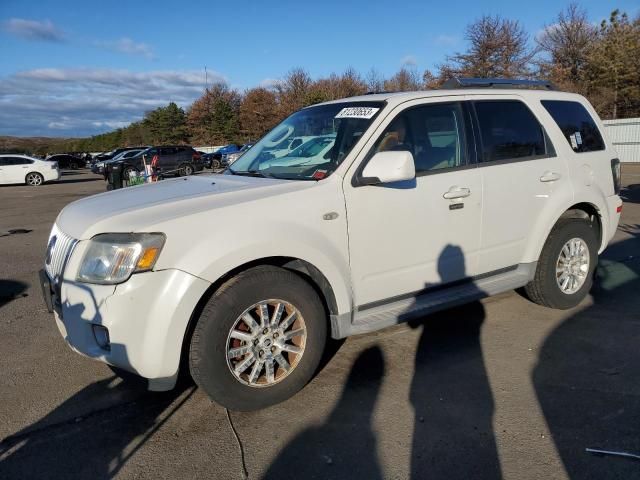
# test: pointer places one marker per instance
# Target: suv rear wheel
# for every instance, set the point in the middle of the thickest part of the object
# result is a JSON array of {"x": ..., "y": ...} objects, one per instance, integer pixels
[
  {"x": 259, "y": 339},
  {"x": 565, "y": 269},
  {"x": 185, "y": 169}
]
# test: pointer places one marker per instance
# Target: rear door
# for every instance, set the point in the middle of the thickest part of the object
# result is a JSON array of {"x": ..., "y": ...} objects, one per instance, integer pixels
[
  {"x": 21, "y": 166},
  {"x": 521, "y": 175},
  {"x": 167, "y": 158}
]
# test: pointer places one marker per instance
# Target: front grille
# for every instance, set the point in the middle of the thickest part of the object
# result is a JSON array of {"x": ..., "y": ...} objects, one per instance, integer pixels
[{"x": 59, "y": 249}]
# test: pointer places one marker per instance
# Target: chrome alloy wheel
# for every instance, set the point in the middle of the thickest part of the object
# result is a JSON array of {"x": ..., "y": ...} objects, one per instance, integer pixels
[
  {"x": 34, "y": 179},
  {"x": 572, "y": 266},
  {"x": 266, "y": 343}
]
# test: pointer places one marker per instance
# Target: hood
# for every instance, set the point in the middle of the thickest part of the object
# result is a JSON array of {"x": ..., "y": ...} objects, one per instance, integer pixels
[{"x": 134, "y": 208}]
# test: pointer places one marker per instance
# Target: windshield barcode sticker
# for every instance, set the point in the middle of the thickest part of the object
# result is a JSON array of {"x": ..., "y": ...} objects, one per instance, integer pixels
[{"x": 357, "y": 112}]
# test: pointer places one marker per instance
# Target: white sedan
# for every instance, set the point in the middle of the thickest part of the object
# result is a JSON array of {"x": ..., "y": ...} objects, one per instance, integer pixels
[{"x": 28, "y": 170}]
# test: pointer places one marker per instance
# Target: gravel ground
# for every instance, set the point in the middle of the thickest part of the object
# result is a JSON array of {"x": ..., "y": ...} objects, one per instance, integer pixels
[{"x": 497, "y": 389}]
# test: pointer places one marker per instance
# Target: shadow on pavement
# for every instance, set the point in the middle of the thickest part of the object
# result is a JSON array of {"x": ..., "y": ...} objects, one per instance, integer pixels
[
  {"x": 450, "y": 392},
  {"x": 74, "y": 443},
  {"x": 345, "y": 445},
  {"x": 77, "y": 180},
  {"x": 10, "y": 290},
  {"x": 587, "y": 378}
]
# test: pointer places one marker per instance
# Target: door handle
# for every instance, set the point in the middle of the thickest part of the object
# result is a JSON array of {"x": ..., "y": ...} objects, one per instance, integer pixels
[
  {"x": 549, "y": 177},
  {"x": 456, "y": 192}
]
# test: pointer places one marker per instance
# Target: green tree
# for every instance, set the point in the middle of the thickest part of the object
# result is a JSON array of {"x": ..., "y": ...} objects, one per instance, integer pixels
[
  {"x": 166, "y": 124},
  {"x": 613, "y": 69},
  {"x": 213, "y": 119}
]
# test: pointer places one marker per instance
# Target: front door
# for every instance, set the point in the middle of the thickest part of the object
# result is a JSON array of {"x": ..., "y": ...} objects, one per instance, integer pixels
[{"x": 409, "y": 236}]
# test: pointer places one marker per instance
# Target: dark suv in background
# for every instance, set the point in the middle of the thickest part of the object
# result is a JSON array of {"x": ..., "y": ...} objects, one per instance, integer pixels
[
  {"x": 177, "y": 159},
  {"x": 65, "y": 160}
]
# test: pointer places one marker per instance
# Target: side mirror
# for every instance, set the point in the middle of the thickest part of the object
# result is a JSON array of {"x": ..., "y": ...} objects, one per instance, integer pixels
[{"x": 388, "y": 167}]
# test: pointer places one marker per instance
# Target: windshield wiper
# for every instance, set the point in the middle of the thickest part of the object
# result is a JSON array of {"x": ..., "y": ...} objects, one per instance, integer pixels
[{"x": 251, "y": 173}]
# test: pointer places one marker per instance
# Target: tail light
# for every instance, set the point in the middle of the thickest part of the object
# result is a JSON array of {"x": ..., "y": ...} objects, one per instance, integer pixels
[
  {"x": 54, "y": 166},
  {"x": 615, "y": 172}
]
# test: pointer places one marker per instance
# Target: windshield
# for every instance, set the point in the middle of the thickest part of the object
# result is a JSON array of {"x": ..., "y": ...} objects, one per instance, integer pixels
[{"x": 310, "y": 144}]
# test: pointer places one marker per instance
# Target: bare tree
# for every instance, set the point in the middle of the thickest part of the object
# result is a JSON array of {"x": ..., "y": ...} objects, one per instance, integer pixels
[
  {"x": 498, "y": 47},
  {"x": 405, "y": 80},
  {"x": 567, "y": 44}
]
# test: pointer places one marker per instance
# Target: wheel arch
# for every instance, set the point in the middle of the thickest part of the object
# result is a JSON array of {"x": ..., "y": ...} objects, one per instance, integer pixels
[
  {"x": 309, "y": 272},
  {"x": 585, "y": 210}
]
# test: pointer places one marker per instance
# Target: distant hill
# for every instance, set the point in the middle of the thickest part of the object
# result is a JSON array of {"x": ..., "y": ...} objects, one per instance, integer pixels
[{"x": 36, "y": 145}]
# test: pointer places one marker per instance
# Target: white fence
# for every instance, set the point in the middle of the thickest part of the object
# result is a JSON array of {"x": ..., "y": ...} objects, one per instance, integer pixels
[{"x": 625, "y": 136}]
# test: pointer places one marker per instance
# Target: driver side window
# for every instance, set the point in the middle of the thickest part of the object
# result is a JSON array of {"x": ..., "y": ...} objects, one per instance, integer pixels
[{"x": 434, "y": 134}]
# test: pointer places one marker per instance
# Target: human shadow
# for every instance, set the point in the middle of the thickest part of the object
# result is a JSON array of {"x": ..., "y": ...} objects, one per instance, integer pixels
[
  {"x": 93, "y": 433},
  {"x": 587, "y": 378},
  {"x": 453, "y": 431},
  {"x": 344, "y": 446},
  {"x": 10, "y": 290}
]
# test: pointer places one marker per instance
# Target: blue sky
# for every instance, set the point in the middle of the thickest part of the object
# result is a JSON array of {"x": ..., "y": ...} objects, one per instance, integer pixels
[{"x": 83, "y": 67}]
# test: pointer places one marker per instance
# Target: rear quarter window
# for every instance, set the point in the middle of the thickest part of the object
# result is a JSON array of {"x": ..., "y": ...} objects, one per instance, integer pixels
[{"x": 577, "y": 125}]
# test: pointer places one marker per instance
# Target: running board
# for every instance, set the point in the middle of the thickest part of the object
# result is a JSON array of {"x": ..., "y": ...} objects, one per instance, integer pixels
[{"x": 431, "y": 300}]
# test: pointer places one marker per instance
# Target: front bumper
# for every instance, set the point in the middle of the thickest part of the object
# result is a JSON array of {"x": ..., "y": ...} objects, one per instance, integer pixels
[{"x": 146, "y": 318}]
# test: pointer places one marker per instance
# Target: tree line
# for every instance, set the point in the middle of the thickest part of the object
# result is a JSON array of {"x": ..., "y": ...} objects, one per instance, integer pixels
[{"x": 599, "y": 62}]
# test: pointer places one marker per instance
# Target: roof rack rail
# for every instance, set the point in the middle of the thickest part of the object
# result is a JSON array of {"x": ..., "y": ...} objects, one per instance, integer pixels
[{"x": 456, "y": 82}]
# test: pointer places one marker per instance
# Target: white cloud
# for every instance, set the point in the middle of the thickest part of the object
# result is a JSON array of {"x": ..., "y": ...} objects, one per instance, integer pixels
[
  {"x": 129, "y": 47},
  {"x": 409, "y": 61},
  {"x": 540, "y": 34},
  {"x": 34, "y": 30},
  {"x": 269, "y": 83},
  {"x": 79, "y": 102},
  {"x": 446, "y": 40}
]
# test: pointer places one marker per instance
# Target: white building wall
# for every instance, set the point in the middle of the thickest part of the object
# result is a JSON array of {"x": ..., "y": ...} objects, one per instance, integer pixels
[{"x": 625, "y": 136}]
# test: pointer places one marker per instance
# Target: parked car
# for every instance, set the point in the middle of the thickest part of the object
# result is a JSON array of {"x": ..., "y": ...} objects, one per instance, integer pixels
[
  {"x": 98, "y": 167},
  {"x": 214, "y": 160},
  {"x": 113, "y": 153},
  {"x": 27, "y": 170},
  {"x": 67, "y": 161},
  {"x": 427, "y": 200},
  {"x": 172, "y": 159},
  {"x": 229, "y": 158}
]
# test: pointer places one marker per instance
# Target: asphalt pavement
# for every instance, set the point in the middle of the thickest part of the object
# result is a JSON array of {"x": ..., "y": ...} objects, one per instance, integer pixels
[{"x": 500, "y": 388}]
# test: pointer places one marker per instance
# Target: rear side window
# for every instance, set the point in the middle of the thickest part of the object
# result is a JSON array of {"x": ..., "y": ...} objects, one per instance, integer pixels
[
  {"x": 509, "y": 131},
  {"x": 576, "y": 124},
  {"x": 21, "y": 161}
]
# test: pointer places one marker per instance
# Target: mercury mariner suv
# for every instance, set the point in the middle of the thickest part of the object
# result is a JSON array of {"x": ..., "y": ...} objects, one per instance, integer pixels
[{"x": 423, "y": 200}]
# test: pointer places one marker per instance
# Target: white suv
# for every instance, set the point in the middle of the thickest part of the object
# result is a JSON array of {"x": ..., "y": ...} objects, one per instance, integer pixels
[{"x": 425, "y": 200}]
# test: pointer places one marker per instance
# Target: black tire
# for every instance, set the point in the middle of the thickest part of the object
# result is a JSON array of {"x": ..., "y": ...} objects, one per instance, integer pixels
[
  {"x": 185, "y": 170},
  {"x": 215, "y": 164},
  {"x": 207, "y": 354},
  {"x": 544, "y": 289}
]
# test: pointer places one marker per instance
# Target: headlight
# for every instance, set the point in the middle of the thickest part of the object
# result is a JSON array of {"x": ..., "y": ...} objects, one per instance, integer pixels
[{"x": 113, "y": 257}]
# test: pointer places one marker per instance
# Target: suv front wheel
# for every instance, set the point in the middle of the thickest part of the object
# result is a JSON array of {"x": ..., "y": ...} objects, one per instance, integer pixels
[
  {"x": 564, "y": 274},
  {"x": 259, "y": 339}
]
